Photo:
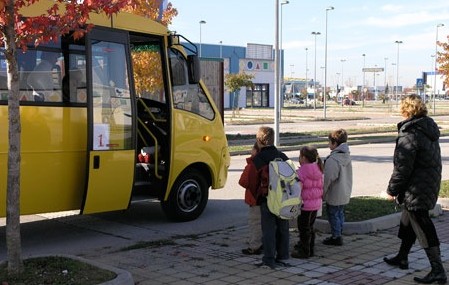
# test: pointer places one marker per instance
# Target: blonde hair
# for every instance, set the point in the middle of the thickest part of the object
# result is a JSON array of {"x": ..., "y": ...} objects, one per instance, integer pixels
[
  {"x": 265, "y": 136},
  {"x": 412, "y": 105}
]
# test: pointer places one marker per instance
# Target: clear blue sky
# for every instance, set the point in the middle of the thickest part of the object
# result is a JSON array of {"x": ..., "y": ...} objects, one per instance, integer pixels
[{"x": 355, "y": 27}]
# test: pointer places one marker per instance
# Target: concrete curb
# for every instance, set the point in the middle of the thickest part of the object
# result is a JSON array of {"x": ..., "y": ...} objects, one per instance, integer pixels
[
  {"x": 123, "y": 277},
  {"x": 364, "y": 227},
  {"x": 376, "y": 224}
]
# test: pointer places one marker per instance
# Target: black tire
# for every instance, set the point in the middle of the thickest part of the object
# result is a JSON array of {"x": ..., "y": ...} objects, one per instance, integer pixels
[{"x": 188, "y": 197}]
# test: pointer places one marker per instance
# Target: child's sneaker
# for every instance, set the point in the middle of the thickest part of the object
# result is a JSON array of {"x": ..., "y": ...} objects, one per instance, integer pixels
[
  {"x": 265, "y": 266},
  {"x": 250, "y": 251},
  {"x": 299, "y": 254},
  {"x": 333, "y": 241}
]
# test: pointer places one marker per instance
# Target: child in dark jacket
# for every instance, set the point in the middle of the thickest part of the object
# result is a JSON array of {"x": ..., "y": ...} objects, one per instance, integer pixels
[
  {"x": 275, "y": 231},
  {"x": 310, "y": 174},
  {"x": 250, "y": 185}
]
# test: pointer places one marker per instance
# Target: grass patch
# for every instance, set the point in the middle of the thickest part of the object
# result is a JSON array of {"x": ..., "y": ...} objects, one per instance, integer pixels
[
  {"x": 319, "y": 133},
  {"x": 365, "y": 208},
  {"x": 56, "y": 270},
  {"x": 444, "y": 189}
]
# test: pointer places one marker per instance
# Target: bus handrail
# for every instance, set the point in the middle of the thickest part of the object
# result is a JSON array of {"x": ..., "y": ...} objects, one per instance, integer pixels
[
  {"x": 156, "y": 152},
  {"x": 140, "y": 100}
]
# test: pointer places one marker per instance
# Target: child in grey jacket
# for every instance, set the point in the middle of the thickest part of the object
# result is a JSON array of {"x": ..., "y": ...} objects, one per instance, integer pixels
[{"x": 337, "y": 184}]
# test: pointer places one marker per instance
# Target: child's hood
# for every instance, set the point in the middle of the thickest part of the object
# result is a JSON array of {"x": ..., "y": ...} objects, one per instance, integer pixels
[{"x": 341, "y": 154}]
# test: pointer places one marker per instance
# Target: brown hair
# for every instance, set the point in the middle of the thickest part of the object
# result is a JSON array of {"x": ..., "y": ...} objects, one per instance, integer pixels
[
  {"x": 311, "y": 154},
  {"x": 338, "y": 136},
  {"x": 265, "y": 136},
  {"x": 412, "y": 105}
]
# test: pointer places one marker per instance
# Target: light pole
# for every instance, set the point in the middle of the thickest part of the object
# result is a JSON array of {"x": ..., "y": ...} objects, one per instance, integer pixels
[
  {"x": 202, "y": 22},
  {"x": 281, "y": 83},
  {"x": 291, "y": 70},
  {"x": 314, "y": 76},
  {"x": 276, "y": 75},
  {"x": 393, "y": 64},
  {"x": 363, "y": 83},
  {"x": 337, "y": 80},
  {"x": 374, "y": 83},
  {"x": 307, "y": 69},
  {"x": 221, "y": 49},
  {"x": 435, "y": 70},
  {"x": 283, "y": 2},
  {"x": 325, "y": 64},
  {"x": 342, "y": 77},
  {"x": 397, "y": 70},
  {"x": 385, "y": 76}
]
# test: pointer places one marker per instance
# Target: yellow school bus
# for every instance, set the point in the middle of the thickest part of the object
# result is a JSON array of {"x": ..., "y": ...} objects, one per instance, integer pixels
[{"x": 116, "y": 116}]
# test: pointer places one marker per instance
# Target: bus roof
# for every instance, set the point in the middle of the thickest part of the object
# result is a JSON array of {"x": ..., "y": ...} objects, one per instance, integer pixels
[{"x": 121, "y": 20}]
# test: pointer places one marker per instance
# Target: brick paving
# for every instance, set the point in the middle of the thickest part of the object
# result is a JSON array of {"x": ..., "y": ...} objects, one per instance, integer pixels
[{"x": 215, "y": 258}]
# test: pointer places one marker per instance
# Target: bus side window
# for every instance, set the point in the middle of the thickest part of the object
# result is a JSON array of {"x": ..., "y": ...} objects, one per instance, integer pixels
[
  {"x": 74, "y": 81},
  {"x": 189, "y": 97},
  {"x": 45, "y": 79}
]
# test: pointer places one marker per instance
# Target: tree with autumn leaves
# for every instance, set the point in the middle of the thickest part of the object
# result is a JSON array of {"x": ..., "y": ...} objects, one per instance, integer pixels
[
  {"x": 443, "y": 60},
  {"x": 16, "y": 33}
]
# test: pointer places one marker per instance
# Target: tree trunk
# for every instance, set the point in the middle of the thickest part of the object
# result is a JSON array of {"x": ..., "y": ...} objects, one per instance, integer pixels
[{"x": 13, "y": 241}]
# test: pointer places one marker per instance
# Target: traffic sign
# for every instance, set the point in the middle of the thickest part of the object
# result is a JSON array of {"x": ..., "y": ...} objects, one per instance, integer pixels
[
  {"x": 419, "y": 82},
  {"x": 373, "y": 69}
]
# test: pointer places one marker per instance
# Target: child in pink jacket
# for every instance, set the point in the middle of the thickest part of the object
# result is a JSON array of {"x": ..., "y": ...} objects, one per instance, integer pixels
[{"x": 310, "y": 174}]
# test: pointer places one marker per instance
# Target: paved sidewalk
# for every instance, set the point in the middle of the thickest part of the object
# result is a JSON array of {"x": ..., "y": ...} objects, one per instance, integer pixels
[{"x": 215, "y": 258}]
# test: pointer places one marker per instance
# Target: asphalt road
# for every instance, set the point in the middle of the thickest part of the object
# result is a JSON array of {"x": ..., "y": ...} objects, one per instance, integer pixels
[{"x": 144, "y": 221}]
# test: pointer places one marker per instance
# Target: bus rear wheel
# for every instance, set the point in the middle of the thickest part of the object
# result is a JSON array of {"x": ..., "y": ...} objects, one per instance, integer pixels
[{"x": 187, "y": 198}]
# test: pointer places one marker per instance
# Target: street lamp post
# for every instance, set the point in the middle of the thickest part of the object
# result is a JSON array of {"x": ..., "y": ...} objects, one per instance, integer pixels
[
  {"x": 281, "y": 66},
  {"x": 393, "y": 64},
  {"x": 342, "y": 77},
  {"x": 385, "y": 76},
  {"x": 363, "y": 83},
  {"x": 202, "y": 22},
  {"x": 276, "y": 75},
  {"x": 325, "y": 64},
  {"x": 314, "y": 76},
  {"x": 435, "y": 69},
  {"x": 397, "y": 70},
  {"x": 221, "y": 49},
  {"x": 307, "y": 69}
]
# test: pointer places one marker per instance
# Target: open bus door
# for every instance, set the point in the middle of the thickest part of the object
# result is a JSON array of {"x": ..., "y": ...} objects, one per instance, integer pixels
[{"x": 111, "y": 155}]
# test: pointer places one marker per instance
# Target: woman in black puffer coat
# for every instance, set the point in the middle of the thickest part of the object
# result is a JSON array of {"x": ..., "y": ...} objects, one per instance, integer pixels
[{"x": 415, "y": 183}]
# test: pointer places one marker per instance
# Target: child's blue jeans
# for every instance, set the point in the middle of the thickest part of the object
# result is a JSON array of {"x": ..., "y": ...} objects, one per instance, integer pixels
[{"x": 336, "y": 217}]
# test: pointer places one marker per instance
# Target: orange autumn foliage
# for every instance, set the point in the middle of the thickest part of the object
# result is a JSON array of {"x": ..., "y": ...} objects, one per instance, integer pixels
[
  {"x": 147, "y": 72},
  {"x": 443, "y": 60},
  {"x": 150, "y": 9}
]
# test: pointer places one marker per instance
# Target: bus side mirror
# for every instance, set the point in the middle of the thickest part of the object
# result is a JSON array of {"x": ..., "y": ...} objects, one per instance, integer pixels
[{"x": 193, "y": 63}]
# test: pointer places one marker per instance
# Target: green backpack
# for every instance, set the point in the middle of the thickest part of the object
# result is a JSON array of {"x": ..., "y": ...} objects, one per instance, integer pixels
[{"x": 284, "y": 189}]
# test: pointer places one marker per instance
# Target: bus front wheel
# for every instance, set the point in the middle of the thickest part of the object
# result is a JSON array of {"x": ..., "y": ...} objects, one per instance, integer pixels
[{"x": 187, "y": 198}]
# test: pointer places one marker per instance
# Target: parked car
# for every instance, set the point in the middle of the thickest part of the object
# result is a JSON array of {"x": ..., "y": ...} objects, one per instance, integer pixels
[
  {"x": 296, "y": 101},
  {"x": 348, "y": 102}
]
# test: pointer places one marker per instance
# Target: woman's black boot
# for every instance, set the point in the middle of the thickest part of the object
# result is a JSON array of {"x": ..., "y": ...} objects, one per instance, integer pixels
[{"x": 437, "y": 274}]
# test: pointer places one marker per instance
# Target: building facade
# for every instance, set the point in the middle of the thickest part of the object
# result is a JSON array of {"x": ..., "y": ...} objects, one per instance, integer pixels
[{"x": 255, "y": 59}]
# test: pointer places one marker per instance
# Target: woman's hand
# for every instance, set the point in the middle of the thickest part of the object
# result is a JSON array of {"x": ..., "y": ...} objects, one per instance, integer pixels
[{"x": 391, "y": 198}]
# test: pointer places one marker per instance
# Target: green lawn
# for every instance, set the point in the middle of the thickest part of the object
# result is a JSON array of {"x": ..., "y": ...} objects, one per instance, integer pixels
[
  {"x": 444, "y": 190},
  {"x": 366, "y": 208}
]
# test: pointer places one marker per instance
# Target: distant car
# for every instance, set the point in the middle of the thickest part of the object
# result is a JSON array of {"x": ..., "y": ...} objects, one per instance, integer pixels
[
  {"x": 349, "y": 102},
  {"x": 297, "y": 101}
]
